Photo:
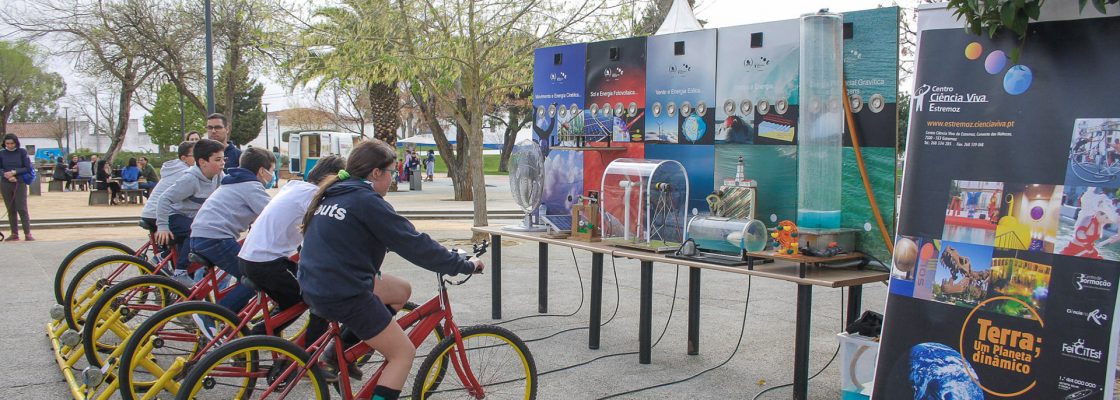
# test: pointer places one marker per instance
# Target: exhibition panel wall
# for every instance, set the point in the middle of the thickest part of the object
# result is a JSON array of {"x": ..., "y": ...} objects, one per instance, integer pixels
[{"x": 1004, "y": 276}]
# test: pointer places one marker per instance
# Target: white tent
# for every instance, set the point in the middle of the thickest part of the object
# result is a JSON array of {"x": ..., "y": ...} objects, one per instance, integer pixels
[{"x": 681, "y": 18}]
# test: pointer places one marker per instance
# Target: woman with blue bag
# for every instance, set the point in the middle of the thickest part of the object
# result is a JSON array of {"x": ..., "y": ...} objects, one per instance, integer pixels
[{"x": 17, "y": 172}]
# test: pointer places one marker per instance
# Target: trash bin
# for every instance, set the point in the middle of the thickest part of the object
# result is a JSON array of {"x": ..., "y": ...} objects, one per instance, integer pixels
[
  {"x": 415, "y": 181},
  {"x": 36, "y": 186},
  {"x": 857, "y": 365}
]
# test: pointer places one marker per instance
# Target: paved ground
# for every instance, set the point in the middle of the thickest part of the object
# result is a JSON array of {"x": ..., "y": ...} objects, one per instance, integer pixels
[{"x": 764, "y": 358}]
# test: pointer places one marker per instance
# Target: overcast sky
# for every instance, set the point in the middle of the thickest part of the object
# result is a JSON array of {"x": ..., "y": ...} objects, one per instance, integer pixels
[{"x": 717, "y": 14}]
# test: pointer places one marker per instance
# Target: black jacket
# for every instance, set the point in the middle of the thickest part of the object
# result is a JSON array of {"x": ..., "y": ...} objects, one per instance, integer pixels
[{"x": 346, "y": 240}]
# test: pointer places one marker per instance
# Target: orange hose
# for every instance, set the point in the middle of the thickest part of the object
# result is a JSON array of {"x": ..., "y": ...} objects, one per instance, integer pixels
[{"x": 863, "y": 171}]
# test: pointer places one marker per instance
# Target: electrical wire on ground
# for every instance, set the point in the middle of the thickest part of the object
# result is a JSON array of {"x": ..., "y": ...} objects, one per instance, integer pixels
[
  {"x": 738, "y": 343},
  {"x": 830, "y": 360},
  {"x": 617, "y": 298},
  {"x": 581, "y": 296}
]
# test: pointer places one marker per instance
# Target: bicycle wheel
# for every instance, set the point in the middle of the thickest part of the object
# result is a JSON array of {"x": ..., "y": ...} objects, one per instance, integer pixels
[
  {"x": 261, "y": 364},
  {"x": 495, "y": 358},
  {"x": 178, "y": 331},
  {"x": 93, "y": 279},
  {"x": 121, "y": 309},
  {"x": 74, "y": 260}
]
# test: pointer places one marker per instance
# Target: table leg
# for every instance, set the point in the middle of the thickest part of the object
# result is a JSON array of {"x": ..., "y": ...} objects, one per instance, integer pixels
[
  {"x": 645, "y": 313},
  {"x": 495, "y": 276},
  {"x": 750, "y": 263},
  {"x": 595, "y": 325},
  {"x": 693, "y": 311},
  {"x": 855, "y": 303},
  {"x": 542, "y": 280},
  {"x": 801, "y": 342}
]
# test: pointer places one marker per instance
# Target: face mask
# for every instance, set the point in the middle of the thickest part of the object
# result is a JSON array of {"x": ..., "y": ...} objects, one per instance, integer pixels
[{"x": 268, "y": 184}]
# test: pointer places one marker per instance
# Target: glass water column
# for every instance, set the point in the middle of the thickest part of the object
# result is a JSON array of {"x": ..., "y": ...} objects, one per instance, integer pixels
[{"x": 821, "y": 122}]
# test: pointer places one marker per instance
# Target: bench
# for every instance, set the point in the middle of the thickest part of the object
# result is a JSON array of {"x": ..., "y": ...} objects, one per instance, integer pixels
[
  {"x": 99, "y": 197},
  {"x": 56, "y": 185},
  {"x": 133, "y": 195}
]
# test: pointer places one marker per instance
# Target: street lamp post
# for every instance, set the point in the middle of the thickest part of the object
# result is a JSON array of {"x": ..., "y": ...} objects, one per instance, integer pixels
[
  {"x": 66, "y": 127},
  {"x": 266, "y": 146},
  {"x": 209, "y": 62}
]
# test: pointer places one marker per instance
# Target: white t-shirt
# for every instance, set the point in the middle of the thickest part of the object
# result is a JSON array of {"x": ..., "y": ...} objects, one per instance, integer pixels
[{"x": 275, "y": 234}]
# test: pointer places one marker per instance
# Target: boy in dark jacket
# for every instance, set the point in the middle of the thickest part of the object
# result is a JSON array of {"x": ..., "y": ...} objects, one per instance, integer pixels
[{"x": 227, "y": 213}]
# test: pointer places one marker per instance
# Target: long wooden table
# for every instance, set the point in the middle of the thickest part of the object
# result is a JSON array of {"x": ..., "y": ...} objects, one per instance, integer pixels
[{"x": 805, "y": 278}]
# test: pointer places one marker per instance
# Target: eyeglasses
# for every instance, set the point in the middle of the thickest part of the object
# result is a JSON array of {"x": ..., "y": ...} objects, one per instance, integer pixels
[{"x": 214, "y": 127}]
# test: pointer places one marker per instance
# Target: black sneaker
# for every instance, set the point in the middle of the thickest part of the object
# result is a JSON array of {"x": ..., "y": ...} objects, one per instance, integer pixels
[{"x": 330, "y": 366}]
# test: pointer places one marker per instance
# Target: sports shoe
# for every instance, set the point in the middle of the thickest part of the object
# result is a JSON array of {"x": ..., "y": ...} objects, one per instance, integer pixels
[
  {"x": 28, "y": 238},
  {"x": 205, "y": 326},
  {"x": 330, "y": 366},
  {"x": 12, "y": 238},
  {"x": 181, "y": 276}
]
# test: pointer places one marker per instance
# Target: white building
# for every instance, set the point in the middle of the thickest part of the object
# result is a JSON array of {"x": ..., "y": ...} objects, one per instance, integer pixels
[{"x": 50, "y": 135}]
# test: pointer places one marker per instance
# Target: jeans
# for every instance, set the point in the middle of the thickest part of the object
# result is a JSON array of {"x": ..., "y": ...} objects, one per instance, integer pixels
[
  {"x": 180, "y": 226},
  {"x": 130, "y": 185},
  {"x": 147, "y": 186},
  {"x": 223, "y": 253}
]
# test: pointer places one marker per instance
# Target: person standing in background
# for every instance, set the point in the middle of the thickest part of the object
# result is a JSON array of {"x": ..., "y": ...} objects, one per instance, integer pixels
[
  {"x": 15, "y": 163},
  {"x": 217, "y": 129},
  {"x": 279, "y": 164},
  {"x": 430, "y": 165}
]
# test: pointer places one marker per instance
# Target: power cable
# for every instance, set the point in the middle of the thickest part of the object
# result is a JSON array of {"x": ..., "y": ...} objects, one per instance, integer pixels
[
  {"x": 581, "y": 296},
  {"x": 825, "y": 365},
  {"x": 738, "y": 343}
]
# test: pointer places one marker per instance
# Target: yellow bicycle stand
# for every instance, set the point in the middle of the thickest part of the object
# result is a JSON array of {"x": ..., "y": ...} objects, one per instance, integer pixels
[{"x": 90, "y": 383}]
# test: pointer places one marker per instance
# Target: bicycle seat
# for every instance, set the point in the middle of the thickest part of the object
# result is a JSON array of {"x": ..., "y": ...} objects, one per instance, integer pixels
[
  {"x": 147, "y": 225},
  {"x": 200, "y": 260}
]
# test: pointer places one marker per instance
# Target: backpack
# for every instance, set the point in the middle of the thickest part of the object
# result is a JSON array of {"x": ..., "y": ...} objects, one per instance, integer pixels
[{"x": 29, "y": 176}]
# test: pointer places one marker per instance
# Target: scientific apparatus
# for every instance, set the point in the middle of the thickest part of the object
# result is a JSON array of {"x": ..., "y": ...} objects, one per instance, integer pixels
[
  {"x": 822, "y": 121},
  {"x": 643, "y": 204}
]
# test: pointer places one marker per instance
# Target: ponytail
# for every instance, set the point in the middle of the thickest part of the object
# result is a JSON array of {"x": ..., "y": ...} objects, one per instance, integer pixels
[
  {"x": 315, "y": 201},
  {"x": 367, "y": 155}
]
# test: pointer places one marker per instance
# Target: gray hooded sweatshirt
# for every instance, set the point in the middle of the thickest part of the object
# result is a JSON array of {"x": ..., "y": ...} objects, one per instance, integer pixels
[
  {"x": 186, "y": 196},
  {"x": 169, "y": 173},
  {"x": 232, "y": 208}
]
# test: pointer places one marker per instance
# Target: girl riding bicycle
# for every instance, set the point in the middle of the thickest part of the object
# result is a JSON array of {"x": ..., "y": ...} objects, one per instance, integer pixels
[{"x": 348, "y": 229}]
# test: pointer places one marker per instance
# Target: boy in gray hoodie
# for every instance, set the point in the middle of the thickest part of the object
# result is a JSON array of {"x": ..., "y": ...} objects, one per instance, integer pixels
[
  {"x": 227, "y": 213},
  {"x": 170, "y": 171},
  {"x": 176, "y": 208}
]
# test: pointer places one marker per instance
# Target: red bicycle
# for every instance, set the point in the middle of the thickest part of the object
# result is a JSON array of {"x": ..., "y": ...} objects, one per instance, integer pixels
[{"x": 476, "y": 361}]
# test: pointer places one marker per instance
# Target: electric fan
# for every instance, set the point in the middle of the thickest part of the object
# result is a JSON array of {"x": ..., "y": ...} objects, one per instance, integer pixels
[{"x": 526, "y": 183}]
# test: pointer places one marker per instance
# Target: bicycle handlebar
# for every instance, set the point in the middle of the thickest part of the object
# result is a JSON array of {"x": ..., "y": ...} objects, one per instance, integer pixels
[{"x": 479, "y": 249}]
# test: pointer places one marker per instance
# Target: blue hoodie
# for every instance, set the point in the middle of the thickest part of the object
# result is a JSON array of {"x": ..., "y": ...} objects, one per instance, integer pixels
[{"x": 346, "y": 240}]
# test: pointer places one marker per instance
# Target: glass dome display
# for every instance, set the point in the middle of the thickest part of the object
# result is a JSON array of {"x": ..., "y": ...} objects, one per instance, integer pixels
[
  {"x": 643, "y": 203},
  {"x": 730, "y": 236}
]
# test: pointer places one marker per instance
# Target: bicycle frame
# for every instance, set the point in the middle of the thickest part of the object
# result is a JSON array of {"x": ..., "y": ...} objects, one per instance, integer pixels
[{"x": 422, "y": 321}]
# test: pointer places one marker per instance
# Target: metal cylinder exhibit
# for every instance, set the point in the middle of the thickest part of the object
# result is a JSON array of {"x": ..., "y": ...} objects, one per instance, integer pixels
[{"x": 821, "y": 121}]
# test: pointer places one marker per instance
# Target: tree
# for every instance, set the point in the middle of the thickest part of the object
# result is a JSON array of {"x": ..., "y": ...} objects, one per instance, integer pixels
[
  {"x": 162, "y": 124},
  {"x": 517, "y": 113},
  {"x": 27, "y": 90},
  {"x": 246, "y": 117},
  {"x": 994, "y": 16},
  {"x": 91, "y": 32},
  {"x": 327, "y": 52},
  {"x": 467, "y": 56},
  {"x": 170, "y": 33}
]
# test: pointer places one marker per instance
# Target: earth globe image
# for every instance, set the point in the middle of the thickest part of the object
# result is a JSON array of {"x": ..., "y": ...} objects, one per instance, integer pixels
[
  {"x": 1017, "y": 80},
  {"x": 938, "y": 372}
]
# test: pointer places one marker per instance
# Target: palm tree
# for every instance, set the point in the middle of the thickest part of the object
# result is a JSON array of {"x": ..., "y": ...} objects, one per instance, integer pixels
[{"x": 346, "y": 45}]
